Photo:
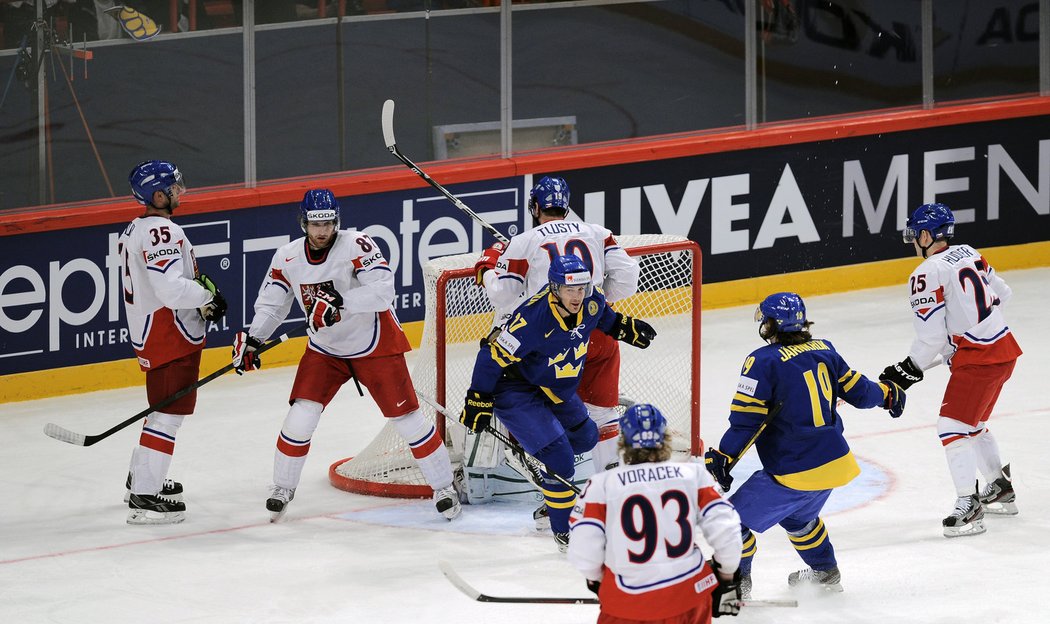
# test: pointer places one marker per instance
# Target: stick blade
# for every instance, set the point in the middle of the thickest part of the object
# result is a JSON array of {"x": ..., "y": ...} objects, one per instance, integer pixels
[
  {"x": 456, "y": 579},
  {"x": 388, "y": 123},
  {"x": 769, "y": 603},
  {"x": 65, "y": 435}
]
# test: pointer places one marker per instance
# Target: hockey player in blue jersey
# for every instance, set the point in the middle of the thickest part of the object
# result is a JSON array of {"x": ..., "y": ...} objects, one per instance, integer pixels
[
  {"x": 528, "y": 375},
  {"x": 785, "y": 404}
]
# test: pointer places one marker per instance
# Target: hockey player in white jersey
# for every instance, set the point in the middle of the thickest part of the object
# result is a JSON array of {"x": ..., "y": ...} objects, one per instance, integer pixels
[
  {"x": 512, "y": 272},
  {"x": 168, "y": 303},
  {"x": 957, "y": 301},
  {"x": 634, "y": 539},
  {"x": 343, "y": 283}
]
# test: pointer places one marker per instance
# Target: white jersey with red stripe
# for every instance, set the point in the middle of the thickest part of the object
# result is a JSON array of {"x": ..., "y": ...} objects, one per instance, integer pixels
[
  {"x": 633, "y": 527},
  {"x": 957, "y": 299},
  {"x": 353, "y": 266},
  {"x": 522, "y": 268},
  {"x": 161, "y": 299}
]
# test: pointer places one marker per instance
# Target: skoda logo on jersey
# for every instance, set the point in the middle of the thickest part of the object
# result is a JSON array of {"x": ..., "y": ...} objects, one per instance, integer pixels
[
  {"x": 321, "y": 215},
  {"x": 171, "y": 251}
]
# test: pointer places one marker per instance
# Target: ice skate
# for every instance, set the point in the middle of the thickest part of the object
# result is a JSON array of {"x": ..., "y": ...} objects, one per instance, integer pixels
[
  {"x": 828, "y": 580},
  {"x": 148, "y": 509},
  {"x": 562, "y": 540},
  {"x": 543, "y": 520},
  {"x": 998, "y": 496},
  {"x": 966, "y": 519},
  {"x": 446, "y": 500},
  {"x": 277, "y": 504},
  {"x": 745, "y": 587},
  {"x": 171, "y": 490}
]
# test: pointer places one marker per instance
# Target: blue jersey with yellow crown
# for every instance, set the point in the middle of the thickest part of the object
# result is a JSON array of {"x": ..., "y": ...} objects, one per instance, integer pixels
[
  {"x": 803, "y": 447},
  {"x": 544, "y": 348}
]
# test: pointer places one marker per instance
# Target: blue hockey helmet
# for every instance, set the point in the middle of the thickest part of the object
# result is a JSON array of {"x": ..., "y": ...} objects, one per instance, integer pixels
[
  {"x": 643, "y": 426},
  {"x": 318, "y": 205},
  {"x": 781, "y": 312},
  {"x": 937, "y": 219},
  {"x": 154, "y": 175},
  {"x": 569, "y": 270},
  {"x": 551, "y": 193}
]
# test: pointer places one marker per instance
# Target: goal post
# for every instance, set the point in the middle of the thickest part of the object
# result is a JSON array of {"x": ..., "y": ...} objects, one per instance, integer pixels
[{"x": 458, "y": 315}]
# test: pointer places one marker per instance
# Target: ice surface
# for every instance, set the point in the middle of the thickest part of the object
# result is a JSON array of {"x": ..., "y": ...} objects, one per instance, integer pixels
[{"x": 66, "y": 554}]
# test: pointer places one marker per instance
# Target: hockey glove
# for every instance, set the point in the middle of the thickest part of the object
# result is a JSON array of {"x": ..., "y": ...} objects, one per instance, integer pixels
[
  {"x": 487, "y": 261},
  {"x": 717, "y": 463},
  {"x": 325, "y": 311},
  {"x": 477, "y": 410},
  {"x": 725, "y": 598},
  {"x": 244, "y": 357},
  {"x": 894, "y": 398},
  {"x": 634, "y": 332},
  {"x": 904, "y": 374},
  {"x": 216, "y": 308},
  {"x": 594, "y": 586}
]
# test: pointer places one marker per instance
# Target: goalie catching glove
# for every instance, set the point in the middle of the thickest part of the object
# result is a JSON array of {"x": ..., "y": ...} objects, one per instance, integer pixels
[
  {"x": 905, "y": 373},
  {"x": 216, "y": 308},
  {"x": 244, "y": 357},
  {"x": 488, "y": 261},
  {"x": 717, "y": 463},
  {"x": 477, "y": 410},
  {"x": 894, "y": 398},
  {"x": 634, "y": 332},
  {"x": 325, "y": 311}
]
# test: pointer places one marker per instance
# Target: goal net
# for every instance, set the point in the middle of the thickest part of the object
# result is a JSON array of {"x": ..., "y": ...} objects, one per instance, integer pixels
[{"x": 458, "y": 314}]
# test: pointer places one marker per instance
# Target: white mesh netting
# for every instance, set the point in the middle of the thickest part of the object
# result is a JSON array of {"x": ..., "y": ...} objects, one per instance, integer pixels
[{"x": 458, "y": 315}]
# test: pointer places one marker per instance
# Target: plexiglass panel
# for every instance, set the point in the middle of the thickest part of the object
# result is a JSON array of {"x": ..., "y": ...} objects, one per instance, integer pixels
[
  {"x": 985, "y": 49},
  {"x": 174, "y": 96},
  {"x": 629, "y": 70},
  {"x": 321, "y": 88},
  {"x": 829, "y": 57},
  {"x": 104, "y": 90}
]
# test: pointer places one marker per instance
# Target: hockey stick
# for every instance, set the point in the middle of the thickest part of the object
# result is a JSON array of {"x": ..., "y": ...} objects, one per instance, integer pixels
[
  {"x": 530, "y": 461},
  {"x": 769, "y": 418},
  {"x": 474, "y": 594},
  {"x": 79, "y": 439},
  {"x": 388, "y": 136}
]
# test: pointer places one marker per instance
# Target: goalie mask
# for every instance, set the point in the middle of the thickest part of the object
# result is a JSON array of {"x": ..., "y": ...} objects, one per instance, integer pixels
[
  {"x": 781, "y": 313},
  {"x": 643, "y": 426},
  {"x": 550, "y": 195},
  {"x": 155, "y": 175},
  {"x": 318, "y": 205}
]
